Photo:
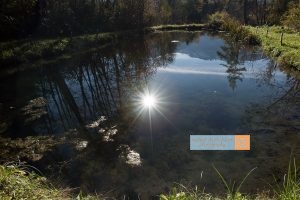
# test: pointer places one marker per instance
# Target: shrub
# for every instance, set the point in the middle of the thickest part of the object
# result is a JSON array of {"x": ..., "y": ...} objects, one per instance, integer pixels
[
  {"x": 223, "y": 21},
  {"x": 217, "y": 20}
]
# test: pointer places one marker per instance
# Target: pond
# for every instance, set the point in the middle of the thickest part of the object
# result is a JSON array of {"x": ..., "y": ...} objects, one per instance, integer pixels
[{"x": 84, "y": 120}]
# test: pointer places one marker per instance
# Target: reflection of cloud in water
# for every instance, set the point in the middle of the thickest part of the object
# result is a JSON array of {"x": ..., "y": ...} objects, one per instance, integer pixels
[
  {"x": 190, "y": 71},
  {"x": 205, "y": 47},
  {"x": 129, "y": 156},
  {"x": 107, "y": 136},
  {"x": 184, "y": 63},
  {"x": 96, "y": 123}
]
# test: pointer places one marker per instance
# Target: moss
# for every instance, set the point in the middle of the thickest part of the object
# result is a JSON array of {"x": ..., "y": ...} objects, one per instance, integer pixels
[{"x": 288, "y": 53}]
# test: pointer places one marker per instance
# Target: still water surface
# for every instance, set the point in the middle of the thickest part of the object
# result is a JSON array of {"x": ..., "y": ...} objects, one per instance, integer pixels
[{"x": 109, "y": 143}]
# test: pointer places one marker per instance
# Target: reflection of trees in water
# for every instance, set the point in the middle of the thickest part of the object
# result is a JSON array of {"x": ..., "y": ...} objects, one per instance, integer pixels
[
  {"x": 274, "y": 122},
  {"x": 102, "y": 83},
  {"x": 281, "y": 112},
  {"x": 283, "y": 108},
  {"x": 230, "y": 53},
  {"x": 235, "y": 54}
]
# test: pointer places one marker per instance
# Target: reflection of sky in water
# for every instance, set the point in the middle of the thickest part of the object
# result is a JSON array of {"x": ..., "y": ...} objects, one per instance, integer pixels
[
  {"x": 205, "y": 47},
  {"x": 205, "y": 104},
  {"x": 184, "y": 63}
]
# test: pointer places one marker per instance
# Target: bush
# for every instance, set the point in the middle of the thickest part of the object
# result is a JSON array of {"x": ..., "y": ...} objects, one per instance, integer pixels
[
  {"x": 217, "y": 20},
  {"x": 223, "y": 21},
  {"x": 292, "y": 18}
]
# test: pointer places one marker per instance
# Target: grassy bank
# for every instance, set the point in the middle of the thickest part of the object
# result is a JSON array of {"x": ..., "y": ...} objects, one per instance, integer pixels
[
  {"x": 288, "y": 53},
  {"x": 18, "y": 183},
  {"x": 190, "y": 27},
  {"x": 29, "y": 51}
]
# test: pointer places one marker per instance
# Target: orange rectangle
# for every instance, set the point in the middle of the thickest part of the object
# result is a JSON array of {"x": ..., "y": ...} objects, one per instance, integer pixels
[{"x": 242, "y": 142}]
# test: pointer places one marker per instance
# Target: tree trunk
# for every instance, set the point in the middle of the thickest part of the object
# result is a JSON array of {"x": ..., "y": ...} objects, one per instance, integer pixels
[{"x": 245, "y": 11}]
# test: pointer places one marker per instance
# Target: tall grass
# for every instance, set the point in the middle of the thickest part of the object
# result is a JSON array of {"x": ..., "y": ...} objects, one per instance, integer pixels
[
  {"x": 16, "y": 183},
  {"x": 182, "y": 192},
  {"x": 289, "y": 189},
  {"x": 233, "y": 190}
]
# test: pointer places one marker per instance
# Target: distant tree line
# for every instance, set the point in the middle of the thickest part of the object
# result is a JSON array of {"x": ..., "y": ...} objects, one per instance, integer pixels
[{"x": 19, "y": 18}]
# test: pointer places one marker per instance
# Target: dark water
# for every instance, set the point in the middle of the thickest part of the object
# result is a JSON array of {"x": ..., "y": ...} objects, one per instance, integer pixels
[{"x": 203, "y": 84}]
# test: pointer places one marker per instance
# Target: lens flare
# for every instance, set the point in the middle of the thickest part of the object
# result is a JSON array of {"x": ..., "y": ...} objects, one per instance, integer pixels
[{"x": 149, "y": 101}]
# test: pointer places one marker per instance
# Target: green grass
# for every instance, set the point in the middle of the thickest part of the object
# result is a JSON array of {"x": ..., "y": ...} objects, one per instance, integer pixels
[
  {"x": 15, "y": 183},
  {"x": 233, "y": 191},
  {"x": 18, "y": 183},
  {"x": 288, "y": 53},
  {"x": 181, "y": 192},
  {"x": 289, "y": 189}
]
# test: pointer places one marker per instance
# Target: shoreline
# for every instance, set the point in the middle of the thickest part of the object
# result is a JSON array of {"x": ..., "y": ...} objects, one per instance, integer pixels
[{"x": 16, "y": 54}]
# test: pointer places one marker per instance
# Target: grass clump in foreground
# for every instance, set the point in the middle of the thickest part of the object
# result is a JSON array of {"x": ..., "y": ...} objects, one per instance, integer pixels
[
  {"x": 17, "y": 183},
  {"x": 288, "y": 53},
  {"x": 289, "y": 189}
]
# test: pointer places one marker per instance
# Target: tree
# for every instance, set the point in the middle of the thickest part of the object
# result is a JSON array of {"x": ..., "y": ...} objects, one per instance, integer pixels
[
  {"x": 292, "y": 17},
  {"x": 245, "y": 11},
  {"x": 18, "y": 18},
  {"x": 165, "y": 12}
]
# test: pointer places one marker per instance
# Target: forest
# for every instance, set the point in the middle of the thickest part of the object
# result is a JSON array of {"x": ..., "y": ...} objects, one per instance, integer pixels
[{"x": 32, "y": 18}]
